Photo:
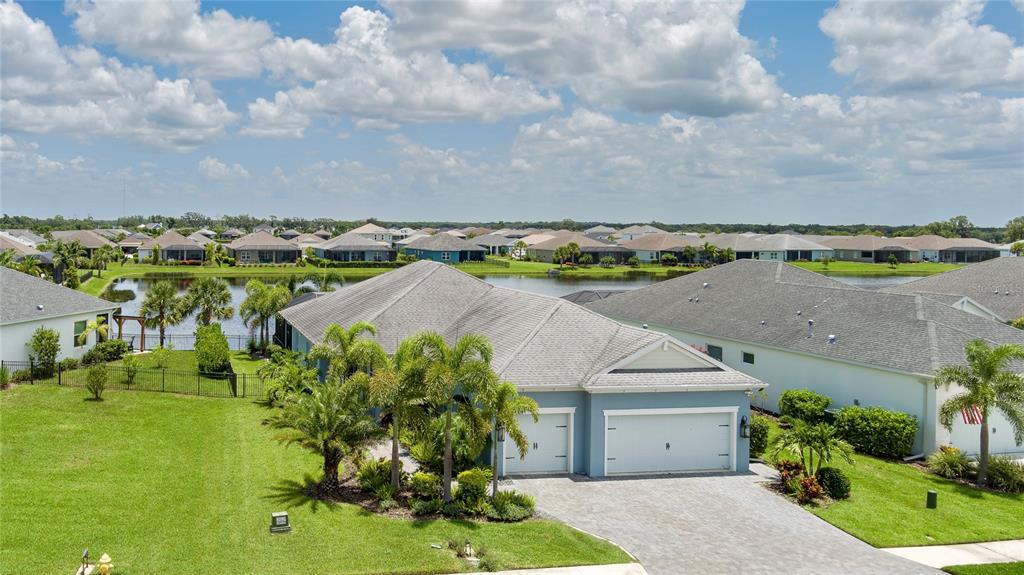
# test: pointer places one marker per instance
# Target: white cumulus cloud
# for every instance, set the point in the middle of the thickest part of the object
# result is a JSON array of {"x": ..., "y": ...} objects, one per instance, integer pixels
[
  {"x": 213, "y": 169},
  {"x": 906, "y": 46}
]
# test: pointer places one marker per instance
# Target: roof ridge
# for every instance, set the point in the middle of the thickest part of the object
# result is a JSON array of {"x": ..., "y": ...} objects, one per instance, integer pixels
[{"x": 529, "y": 337}]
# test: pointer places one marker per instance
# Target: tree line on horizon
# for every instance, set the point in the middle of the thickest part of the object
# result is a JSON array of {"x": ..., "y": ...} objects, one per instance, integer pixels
[{"x": 957, "y": 226}]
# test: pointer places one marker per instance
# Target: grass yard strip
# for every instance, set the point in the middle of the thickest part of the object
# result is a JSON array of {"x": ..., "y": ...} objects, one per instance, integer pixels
[
  {"x": 1015, "y": 568},
  {"x": 886, "y": 507},
  {"x": 870, "y": 269},
  {"x": 159, "y": 481}
]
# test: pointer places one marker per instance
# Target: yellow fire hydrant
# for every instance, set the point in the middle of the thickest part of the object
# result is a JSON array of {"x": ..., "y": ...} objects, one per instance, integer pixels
[{"x": 105, "y": 565}]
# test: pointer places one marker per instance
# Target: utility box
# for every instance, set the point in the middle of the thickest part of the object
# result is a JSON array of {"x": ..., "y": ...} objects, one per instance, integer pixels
[{"x": 279, "y": 522}]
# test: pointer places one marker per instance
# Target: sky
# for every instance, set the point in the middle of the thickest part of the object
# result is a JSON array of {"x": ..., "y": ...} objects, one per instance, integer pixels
[{"x": 764, "y": 112}]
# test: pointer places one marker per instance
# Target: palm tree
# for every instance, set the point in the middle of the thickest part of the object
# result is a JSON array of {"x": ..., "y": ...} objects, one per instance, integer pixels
[
  {"x": 209, "y": 298},
  {"x": 572, "y": 251},
  {"x": 690, "y": 254},
  {"x": 560, "y": 255},
  {"x": 988, "y": 384},
  {"x": 346, "y": 351},
  {"x": 66, "y": 255},
  {"x": 262, "y": 303},
  {"x": 162, "y": 307},
  {"x": 396, "y": 388},
  {"x": 709, "y": 252},
  {"x": 102, "y": 256},
  {"x": 462, "y": 369},
  {"x": 812, "y": 440},
  {"x": 7, "y": 259},
  {"x": 29, "y": 265},
  {"x": 330, "y": 421},
  {"x": 324, "y": 282},
  {"x": 502, "y": 406},
  {"x": 98, "y": 325}
]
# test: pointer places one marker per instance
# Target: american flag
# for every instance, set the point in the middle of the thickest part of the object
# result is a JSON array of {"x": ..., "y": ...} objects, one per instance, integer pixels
[{"x": 972, "y": 415}]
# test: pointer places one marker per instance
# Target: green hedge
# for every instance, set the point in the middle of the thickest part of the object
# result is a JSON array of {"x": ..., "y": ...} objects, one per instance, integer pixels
[
  {"x": 213, "y": 354},
  {"x": 325, "y": 263},
  {"x": 804, "y": 404},
  {"x": 877, "y": 431},
  {"x": 759, "y": 427}
]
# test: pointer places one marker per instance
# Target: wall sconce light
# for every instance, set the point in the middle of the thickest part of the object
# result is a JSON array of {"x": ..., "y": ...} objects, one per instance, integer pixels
[
  {"x": 744, "y": 427},
  {"x": 279, "y": 522}
]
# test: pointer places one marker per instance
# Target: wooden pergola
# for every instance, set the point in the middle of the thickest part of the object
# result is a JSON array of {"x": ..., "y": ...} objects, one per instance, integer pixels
[{"x": 120, "y": 319}]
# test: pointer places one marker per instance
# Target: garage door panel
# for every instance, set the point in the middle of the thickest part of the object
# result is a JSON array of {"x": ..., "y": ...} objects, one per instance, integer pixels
[
  {"x": 549, "y": 445},
  {"x": 665, "y": 443}
]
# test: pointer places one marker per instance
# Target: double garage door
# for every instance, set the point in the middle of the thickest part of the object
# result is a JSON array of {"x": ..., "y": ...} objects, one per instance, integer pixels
[{"x": 636, "y": 441}]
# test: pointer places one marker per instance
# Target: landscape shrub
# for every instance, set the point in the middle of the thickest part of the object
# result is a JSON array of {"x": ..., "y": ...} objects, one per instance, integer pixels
[
  {"x": 759, "y": 427},
  {"x": 809, "y": 490},
  {"x": 68, "y": 363},
  {"x": 44, "y": 347},
  {"x": 110, "y": 350},
  {"x": 425, "y": 485},
  {"x": 669, "y": 260},
  {"x": 96, "y": 380},
  {"x": 473, "y": 485},
  {"x": 510, "y": 506},
  {"x": 385, "y": 493},
  {"x": 633, "y": 261},
  {"x": 1006, "y": 474},
  {"x": 586, "y": 260},
  {"x": 5, "y": 377},
  {"x": 213, "y": 354},
  {"x": 160, "y": 356},
  {"x": 835, "y": 483},
  {"x": 804, "y": 404},
  {"x": 950, "y": 462},
  {"x": 427, "y": 506},
  {"x": 373, "y": 474},
  {"x": 877, "y": 431},
  {"x": 788, "y": 470},
  {"x": 130, "y": 365},
  {"x": 71, "y": 279},
  {"x": 607, "y": 261}
]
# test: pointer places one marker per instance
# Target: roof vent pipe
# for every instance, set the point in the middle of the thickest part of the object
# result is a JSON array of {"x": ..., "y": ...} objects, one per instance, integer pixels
[
  {"x": 810, "y": 328},
  {"x": 831, "y": 338},
  {"x": 644, "y": 326},
  {"x": 39, "y": 307},
  {"x": 706, "y": 285},
  {"x": 798, "y": 312},
  {"x": 763, "y": 323}
]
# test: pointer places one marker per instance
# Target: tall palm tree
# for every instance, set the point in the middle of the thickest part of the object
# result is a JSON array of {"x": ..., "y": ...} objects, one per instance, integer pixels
[
  {"x": 502, "y": 406},
  {"x": 572, "y": 251},
  {"x": 162, "y": 307},
  {"x": 102, "y": 256},
  {"x": 98, "y": 325},
  {"x": 690, "y": 254},
  {"x": 65, "y": 255},
  {"x": 261, "y": 304},
  {"x": 988, "y": 384},
  {"x": 560, "y": 255},
  {"x": 325, "y": 281},
  {"x": 346, "y": 351},
  {"x": 330, "y": 421},
  {"x": 462, "y": 369},
  {"x": 809, "y": 441},
  {"x": 209, "y": 298}
]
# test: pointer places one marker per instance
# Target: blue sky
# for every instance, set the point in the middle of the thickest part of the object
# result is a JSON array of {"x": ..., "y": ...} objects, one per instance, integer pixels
[{"x": 765, "y": 112}]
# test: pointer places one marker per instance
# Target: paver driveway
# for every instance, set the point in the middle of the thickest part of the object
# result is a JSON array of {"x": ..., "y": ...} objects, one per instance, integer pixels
[{"x": 710, "y": 524}]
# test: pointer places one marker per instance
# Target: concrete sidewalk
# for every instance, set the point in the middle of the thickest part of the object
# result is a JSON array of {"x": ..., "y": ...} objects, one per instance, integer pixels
[
  {"x": 617, "y": 569},
  {"x": 939, "y": 556}
]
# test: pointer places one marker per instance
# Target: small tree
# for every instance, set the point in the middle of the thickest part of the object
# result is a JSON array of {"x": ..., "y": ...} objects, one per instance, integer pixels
[
  {"x": 162, "y": 307},
  {"x": 1017, "y": 249},
  {"x": 607, "y": 261},
  {"x": 44, "y": 347},
  {"x": 669, "y": 260},
  {"x": 96, "y": 380},
  {"x": 156, "y": 254},
  {"x": 893, "y": 261},
  {"x": 586, "y": 260},
  {"x": 633, "y": 261},
  {"x": 160, "y": 357},
  {"x": 810, "y": 441},
  {"x": 502, "y": 407},
  {"x": 130, "y": 365},
  {"x": 71, "y": 279},
  {"x": 690, "y": 254},
  {"x": 825, "y": 260},
  {"x": 210, "y": 299},
  {"x": 213, "y": 355}
]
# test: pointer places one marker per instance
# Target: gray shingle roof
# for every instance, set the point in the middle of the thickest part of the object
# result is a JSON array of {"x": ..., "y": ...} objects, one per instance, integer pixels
[
  {"x": 352, "y": 241},
  {"x": 902, "y": 332},
  {"x": 539, "y": 341},
  {"x": 21, "y": 295},
  {"x": 980, "y": 282},
  {"x": 263, "y": 241},
  {"x": 490, "y": 240},
  {"x": 443, "y": 243},
  {"x": 88, "y": 238}
]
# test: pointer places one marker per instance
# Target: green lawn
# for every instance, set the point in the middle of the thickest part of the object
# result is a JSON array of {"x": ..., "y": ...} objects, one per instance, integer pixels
[
  {"x": 869, "y": 269},
  {"x": 886, "y": 507},
  {"x": 1015, "y": 568},
  {"x": 166, "y": 483}
]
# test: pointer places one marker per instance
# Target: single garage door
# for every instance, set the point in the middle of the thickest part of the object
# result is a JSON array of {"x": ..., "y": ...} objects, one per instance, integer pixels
[
  {"x": 549, "y": 445},
  {"x": 668, "y": 441}
]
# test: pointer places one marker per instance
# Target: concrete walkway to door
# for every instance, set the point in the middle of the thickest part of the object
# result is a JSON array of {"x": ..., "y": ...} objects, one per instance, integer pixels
[
  {"x": 963, "y": 554},
  {"x": 725, "y": 524}
]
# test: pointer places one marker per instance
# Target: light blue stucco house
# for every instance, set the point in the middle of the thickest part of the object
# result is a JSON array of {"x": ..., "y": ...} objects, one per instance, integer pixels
[
  {"x": 615, "y": 399},
  {"x": 445, "y": 248}
]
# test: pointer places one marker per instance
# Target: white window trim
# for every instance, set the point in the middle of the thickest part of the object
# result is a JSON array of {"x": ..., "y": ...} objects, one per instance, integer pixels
[
  {"x": 571, "y": 411},
  {"x": 733, "y": 410}
]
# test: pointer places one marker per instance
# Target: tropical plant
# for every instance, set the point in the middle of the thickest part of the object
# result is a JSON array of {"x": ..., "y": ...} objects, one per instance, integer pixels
[
  {"x": 346, "y": 351},
  {"x": 572, "y": 251},
  {"x": 835, "y": 483},
  {"x": 209, "y": 298},
  {"x": 160, "y": 357},
  {"x": 759, "y": 428},
  {"x": 893, "y": 261},
  {"x": 162, "y": 308},
  {"x": 102, "y": 256},
  {"x": 7, "y": 259},
  {"x": 71, "y": 278},
  {"x": 560, "y": 255},
  {"x": 1017, "y": 249},
  {"x": 669, "y": 259},
  {"x": 130, "y": 366},
  {"x": 709, "y": 253},
  {"x": 949, "y": 462},
  {"x": 988, "y": 384},
  {"x": 607, "y": 261},
  {"x": 456, "y": 370},
  {"x": 324, "y": 281},
  {"x": 98, "y": 325},
  {"x": 213, "y": 355},
  {"x": 502, "y": 406},
  {"x": 689, "y": 254},
  {"x": 66, "y": 255},
  {"x": 586, "y": 260},
  {"x": 28, "y": 265},
  {"x": 330, "y": 421},
  {"x": 156, "y": 253},
  {"x": 396, "y": 388},
  {"x": 1006, "y": 474},
  {"x": 261, "y": 304},
  {"x": 815, "y": 444}
]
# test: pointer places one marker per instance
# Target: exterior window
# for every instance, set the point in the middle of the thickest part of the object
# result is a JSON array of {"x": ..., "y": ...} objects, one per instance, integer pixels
[
  {"x": 79, "y": 329},
  {"x": 865, "y": 254},
  {"x": 446, "y": 256},
  {"x": 715, "y": 352},
  {"x": 748, "y": 357}
]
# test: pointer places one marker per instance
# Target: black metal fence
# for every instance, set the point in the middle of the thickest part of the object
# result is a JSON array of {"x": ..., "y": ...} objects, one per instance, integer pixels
[
  {"x": 243, "y": 385},
  {"x": 181, "y": 341}
]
